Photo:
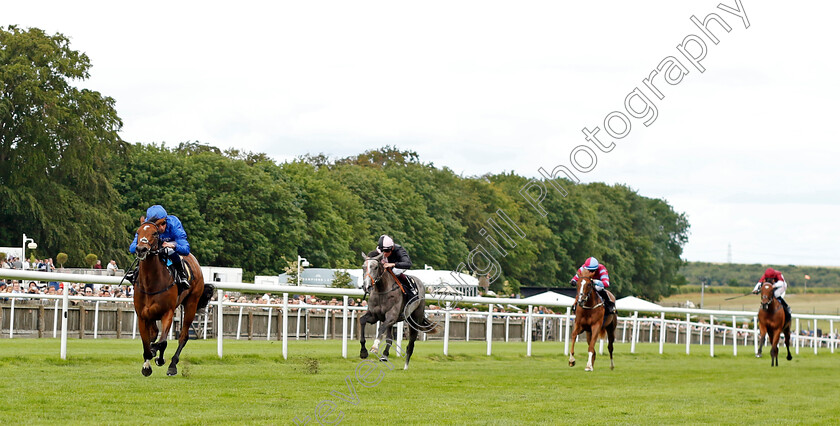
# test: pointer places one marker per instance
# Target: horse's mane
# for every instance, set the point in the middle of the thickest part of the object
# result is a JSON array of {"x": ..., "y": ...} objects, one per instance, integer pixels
[{"x": 373, "y": 254}]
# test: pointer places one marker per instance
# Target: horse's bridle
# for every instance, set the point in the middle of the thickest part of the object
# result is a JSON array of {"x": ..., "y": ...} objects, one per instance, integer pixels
[
  {"x": 769, "y": 298},
  {"x": 152, "y": 250},
  {"x": 583, "y": 298}
]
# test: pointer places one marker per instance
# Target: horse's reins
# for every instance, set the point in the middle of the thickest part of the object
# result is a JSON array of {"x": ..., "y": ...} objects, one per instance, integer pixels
[
  {"x": 152, "y": 252},
  {"x": 591, "y": 289}
]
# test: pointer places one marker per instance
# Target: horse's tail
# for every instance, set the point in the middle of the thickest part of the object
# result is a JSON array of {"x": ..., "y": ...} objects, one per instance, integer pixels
[
  {"x": 206, "y": 296},
  {"x": 433, "y": 326}
]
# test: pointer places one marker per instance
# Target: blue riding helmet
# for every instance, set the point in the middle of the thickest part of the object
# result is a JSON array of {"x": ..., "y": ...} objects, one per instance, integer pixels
[
  {"x": 591, "y": 264},
  {"x": 155, "y": 212}
]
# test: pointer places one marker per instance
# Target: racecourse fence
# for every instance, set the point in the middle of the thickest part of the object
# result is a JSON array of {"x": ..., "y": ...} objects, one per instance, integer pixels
[{"x": 37, "y": 315}]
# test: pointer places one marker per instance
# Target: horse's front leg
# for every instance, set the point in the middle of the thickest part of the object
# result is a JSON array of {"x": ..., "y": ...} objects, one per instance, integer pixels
[
  {"x": 189, "y": 315},
  {"x": 774, "y": 351},
  {"x": 390, "y": 320},
  {"x": 761, "y": 334},
  {"x": 160, "y": 345},
  {"x": 591, "y": 338},
  {"x": 572, "y": 339},
  {"x": 145, "y": 336},
  {"x": 363, "y": 321}
]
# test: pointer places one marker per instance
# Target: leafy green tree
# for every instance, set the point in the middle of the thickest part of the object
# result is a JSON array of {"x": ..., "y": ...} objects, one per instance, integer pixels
[
  {"x": 59, "y": 146},
  {"x": 90, "y": 260},
  {"x": 342, "y": 280},
  {"x": 61, "y": 258}
]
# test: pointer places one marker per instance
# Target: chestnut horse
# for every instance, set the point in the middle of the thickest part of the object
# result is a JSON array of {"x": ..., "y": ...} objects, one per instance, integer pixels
[
  {"x": 156, "y": 297},
  {"x": 591, "y": 317},
  {"x": 772, "y": 321}
]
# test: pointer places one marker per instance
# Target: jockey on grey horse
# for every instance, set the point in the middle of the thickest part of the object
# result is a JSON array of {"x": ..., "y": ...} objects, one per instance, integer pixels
[{"x": 395, "y": 257}]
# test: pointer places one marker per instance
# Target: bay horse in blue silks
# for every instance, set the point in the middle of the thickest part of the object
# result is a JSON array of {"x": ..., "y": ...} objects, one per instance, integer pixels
[{"x": 156, "y": 297}]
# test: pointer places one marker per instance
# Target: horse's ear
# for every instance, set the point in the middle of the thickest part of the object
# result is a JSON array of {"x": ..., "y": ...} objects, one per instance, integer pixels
[
  {"x": 364, "y": 256},
  {"x": 161, "y": 221}
]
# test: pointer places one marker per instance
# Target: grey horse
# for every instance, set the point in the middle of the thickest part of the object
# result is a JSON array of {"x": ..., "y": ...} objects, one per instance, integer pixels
[{"x": 387, "y": 305}]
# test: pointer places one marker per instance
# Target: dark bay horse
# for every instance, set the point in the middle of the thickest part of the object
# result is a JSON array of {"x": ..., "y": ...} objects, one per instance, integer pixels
[
  {"x": 387, "y": 305},
  {"x": 590, "y": 317},
  {"x": 156, "y": 297},
  {"x": 772, "y": 321}
]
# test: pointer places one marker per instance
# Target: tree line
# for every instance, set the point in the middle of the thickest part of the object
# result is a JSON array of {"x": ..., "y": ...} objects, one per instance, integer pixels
[
  {"x": 746, "y": 275},
  {"x": 68, "y": 180}
]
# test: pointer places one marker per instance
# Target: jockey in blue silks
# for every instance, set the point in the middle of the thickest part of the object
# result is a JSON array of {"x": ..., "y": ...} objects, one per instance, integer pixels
[{"x": 173, "y": 240}]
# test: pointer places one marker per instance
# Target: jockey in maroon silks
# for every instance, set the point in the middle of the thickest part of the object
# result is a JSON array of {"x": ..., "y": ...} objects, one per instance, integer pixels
[
  {"x": 600, "y": 280},
  {"x": 776, "y": 278}
]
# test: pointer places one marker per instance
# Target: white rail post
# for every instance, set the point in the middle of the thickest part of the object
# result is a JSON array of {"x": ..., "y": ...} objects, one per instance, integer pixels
[
  {"x": 688, "y": 334},
  {"x": 650, "y": 332},
  {"x": 446, "y": 331},
  {"x": 568, "y": 323},
  {"x": 220, "y": 327},
  {"x": 12, "y": 320},
  {"x": 816, "y": 342},
  {"x": 833, "y": 340},
  {"x": 344, "y": 336},
  {"x": 352, "y": 323},
  {"x": 601, "y": 347},
  {"x": 468, "y": 328},
  {"x": 64, "y": 306},
  {"x": 400, "y": 327},
  {"x": 755, "y": 333},
  {"x": 206, "y": 317},
  {"x": 712, "y": 335},
  {"x": 734, "y": 337},
  {"x": 798, "y": 339},
  {"x": 134, "y": 327},
  {"x": 662, "y": 333},
  {"x": 96, "y": 320},
  {"x": 530, "y": 322},
  {"x": 297, "y": 328},
  {"x": 624, "y": 332},
  {"x": 55, "y": 320},
  {"x": 326, "y": 322},
  {"x": 507, "y": 328},
  {"x": 543, "y": 329},
  {"x": 286, "y": 324},
  {"x": 239, "y": 322},
  {"x": 560, "y": 328},
  {"x": 633, "y": 333},
  {"x": 268, "y": 329},
  {"x": 489, "y": 329}
]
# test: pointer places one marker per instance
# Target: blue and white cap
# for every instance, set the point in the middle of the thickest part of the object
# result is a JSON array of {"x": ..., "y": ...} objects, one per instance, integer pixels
[{"x": 591, "y": 264}]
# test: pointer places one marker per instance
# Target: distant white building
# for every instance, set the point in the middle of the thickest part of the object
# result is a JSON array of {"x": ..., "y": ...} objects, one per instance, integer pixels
[
  {"x": 218, "y": 273},
  {"x": 323, "y": 277}
]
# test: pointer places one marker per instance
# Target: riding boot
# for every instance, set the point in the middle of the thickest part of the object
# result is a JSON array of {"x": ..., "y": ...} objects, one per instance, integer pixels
[
  {"x": 180, "y": 274},
  {"x": 784, "y": 305},
  {"x": 411, "y": 294},
  {"x": 574, "y": 307},
  {"x": 609, "y": 306}
]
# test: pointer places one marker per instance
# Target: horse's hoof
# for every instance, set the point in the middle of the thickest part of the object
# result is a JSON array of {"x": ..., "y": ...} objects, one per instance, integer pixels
[
  {"x": 571, "y": 363},
  {"x": 147, "y": 371},
  {"x": 363, "y": 354},
  {"x": 384, "y": 359},
  {"x": 789, "y": 357},
  {"x": 172, "y": 371},
  {"x": 159, "y": 362},
  {"x": 588, "y": 369},
  {"x": 612, "y": 367},
  {"x": 758, "y": 355}
]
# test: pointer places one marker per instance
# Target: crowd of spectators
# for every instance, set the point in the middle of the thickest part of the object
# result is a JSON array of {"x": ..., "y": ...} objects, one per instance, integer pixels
[{"x": 45, "y": 265}]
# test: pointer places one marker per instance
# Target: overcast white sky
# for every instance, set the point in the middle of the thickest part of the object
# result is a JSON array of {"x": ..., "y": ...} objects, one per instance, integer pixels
[{"x": 746, "y": 149}]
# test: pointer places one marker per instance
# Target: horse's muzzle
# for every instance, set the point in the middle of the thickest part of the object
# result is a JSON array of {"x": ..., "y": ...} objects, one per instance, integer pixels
[{"x": 142, "y": 252}]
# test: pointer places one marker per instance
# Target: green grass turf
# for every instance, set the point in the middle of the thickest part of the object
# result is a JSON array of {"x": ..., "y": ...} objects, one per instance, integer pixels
[{"x": 100, "y": 382}]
